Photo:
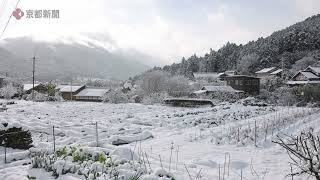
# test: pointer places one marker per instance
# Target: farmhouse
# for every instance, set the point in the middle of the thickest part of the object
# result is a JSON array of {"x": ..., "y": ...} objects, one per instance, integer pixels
[
  {"x": 68, "y": 91},
  {"x": 91, "y": 94},
  {"x": 248, "y": 84},
  {"x": 309, "y": 76}
]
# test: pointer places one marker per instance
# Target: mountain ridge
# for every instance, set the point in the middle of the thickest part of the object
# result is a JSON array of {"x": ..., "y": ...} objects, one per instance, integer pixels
[
  {"x": 282, "y": 48},
  {"x": 57, "y": 60}
]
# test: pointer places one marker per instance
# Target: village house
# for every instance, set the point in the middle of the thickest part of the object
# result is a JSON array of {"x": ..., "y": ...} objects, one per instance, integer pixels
[
  {"x": 68, "y": 91},
  {"x": 309, "y": 76},
  {"x": 248, "y": 84},
  {"x": 91, "y": 94}
]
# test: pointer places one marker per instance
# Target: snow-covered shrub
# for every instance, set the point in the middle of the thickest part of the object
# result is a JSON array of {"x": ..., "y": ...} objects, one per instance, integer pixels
[
  {"x": 154, "y": 98},
  {"x": 15, "y": 137},
  {"x": 8, "y": 91},
  {"x": 309, "y": 93},
  {"x": 154, "y": 82},
  {"x": 116, "y": 97},
  {"x": 280, "y": 96},
  {"x": 178, "y": 86},
  {"x": 38, "y": 97}
]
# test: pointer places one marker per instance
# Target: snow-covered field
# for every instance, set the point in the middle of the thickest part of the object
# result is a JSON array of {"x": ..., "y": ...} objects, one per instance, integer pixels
[{"x": 228, "y": 139}]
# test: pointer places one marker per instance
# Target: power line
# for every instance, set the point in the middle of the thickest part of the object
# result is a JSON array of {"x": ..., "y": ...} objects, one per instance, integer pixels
[{"x": 8, "y": 20}]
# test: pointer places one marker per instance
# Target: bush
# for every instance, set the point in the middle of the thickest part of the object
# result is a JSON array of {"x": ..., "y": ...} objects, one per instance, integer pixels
[
  {"x": 178, "y": 86},
  {"x": 154, "y": 82},
  {"x": 38, "y": 97},
  {"x": 16, "y": 138},
  {"x": 116, "y": 97},
  {"x": 154, "y": 98},
  {"x": 309, "y": 93},
  {"x": 8, "y": 91}
]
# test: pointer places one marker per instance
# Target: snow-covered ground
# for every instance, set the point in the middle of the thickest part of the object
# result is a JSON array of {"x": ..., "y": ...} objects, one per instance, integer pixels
[{"x": 228, "y": 139}]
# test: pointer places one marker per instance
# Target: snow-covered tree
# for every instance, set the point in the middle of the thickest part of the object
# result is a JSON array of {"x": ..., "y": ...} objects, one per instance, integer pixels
[
  {"x": 304, "y": 151},
  {"x": 154, "y": 82},
  {"x": 8, "y": 91}
]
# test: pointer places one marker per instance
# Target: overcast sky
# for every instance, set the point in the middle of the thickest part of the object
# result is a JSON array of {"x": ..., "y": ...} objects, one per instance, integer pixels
[{"x": 166, "y": 29}]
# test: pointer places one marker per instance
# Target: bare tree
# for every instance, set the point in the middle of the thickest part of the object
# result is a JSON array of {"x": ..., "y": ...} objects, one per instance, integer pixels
[{"x": 304, "y": 151}]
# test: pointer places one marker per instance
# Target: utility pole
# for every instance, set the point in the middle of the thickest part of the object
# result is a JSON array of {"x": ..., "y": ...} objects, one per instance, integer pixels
[
  {"x": 282, "y": 67},
  {"x": 33, "y": 71},
  {"x": 71, "y": 89}
]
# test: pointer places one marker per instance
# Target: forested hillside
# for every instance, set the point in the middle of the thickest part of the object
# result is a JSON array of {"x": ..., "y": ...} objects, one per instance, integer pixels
[{"x": 293, "y": 47}]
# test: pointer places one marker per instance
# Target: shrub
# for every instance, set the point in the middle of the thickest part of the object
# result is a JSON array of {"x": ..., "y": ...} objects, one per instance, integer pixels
[
  {"x": 154, "y": 98},
  {"x": 116, "y": 97},
  {"x": 8, "y": 91},
  {"x": 16, "y": 138}
]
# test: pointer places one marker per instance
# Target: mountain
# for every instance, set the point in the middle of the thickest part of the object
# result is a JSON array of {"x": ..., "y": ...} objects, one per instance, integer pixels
[
  {"x": 58, "y": 60},
  {"x": 288, "y": 48}
]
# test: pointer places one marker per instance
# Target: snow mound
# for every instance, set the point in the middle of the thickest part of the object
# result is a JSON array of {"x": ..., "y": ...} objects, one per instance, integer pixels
[
  {"x": 204, "y": 162},
  {"x": 125, "y": 153},
  {"x": 120, "y": 140}
]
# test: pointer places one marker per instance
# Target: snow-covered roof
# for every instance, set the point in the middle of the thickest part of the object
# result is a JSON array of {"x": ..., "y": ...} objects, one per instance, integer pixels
[
  {"x": 27, "y": 87},
  {"x": 276, "y": 72},
  {"x": 96, "y": 92},
  {"x": 206, "y": 75},
  {"x": 242, "y": 76},
  {"x": 302, "y": 82},
  {"x": 200, "y": 92},
  {"x": 231, "y": 72},
  {"x": 219, "y": 89},
  {"x": 314, "y": 69},
  {"x": 309, "y": 75},
  {"x": 68, "y": 88},
  {"x": 266, "y": 70}
]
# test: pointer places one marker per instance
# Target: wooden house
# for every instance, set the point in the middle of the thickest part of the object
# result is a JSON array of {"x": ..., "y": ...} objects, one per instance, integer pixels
[
  {"x": 68, "y": 91},
  {"x": 248, "y": 84},
  {"x": 304, "y": 78},
  {"x": 91, "y": 94}
]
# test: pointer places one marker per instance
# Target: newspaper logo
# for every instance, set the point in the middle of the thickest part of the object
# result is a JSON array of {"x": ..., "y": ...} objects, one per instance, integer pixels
[{"x": 18, "y": 13}]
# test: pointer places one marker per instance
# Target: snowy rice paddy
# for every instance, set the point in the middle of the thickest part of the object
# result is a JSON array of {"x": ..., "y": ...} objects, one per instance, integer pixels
[{"x": 228, "y": 139}]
